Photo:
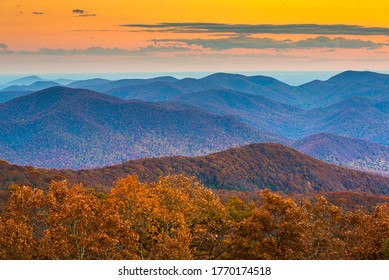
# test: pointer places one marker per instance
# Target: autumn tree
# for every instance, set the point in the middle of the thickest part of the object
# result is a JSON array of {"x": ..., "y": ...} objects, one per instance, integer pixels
[
  {"x": 22, "y": 224},
  {"x": 366, "y": 234},
  {"x": 277, "y": 229},
  {"x": 202, "y": 211},
  {"x": 156, "y": 215},
  {"x": 80, "y": 226},
  {"x": 176, "y": 217},
  {"x": 326, "y": 229}
]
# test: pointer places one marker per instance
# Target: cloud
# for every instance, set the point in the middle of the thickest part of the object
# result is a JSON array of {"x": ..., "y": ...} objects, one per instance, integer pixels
[
  {"x": 247, "y": 42},
  {"x": 155, "y": 47},
  {"x": 161, "y": 48},
  {"x": 339, "y": 42},
  {"x": 89, "y": 51},
  {"x": 319, "y": 29},
  {"x": 37, "y": 13},
  {"x": 82, "y": 13},
  {"x": 94, "y": 51},
  {"x": 88, "y": 15},
  {"x": 78, "y": 11},
  {"x": 232, "y": 42}
]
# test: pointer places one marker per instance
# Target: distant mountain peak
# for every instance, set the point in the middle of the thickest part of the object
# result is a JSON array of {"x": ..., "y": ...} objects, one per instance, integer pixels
[
  {"x": 24, "y": 81},
  {"x": 222, "y": 74},
  {"x": 352, "y": 76}
]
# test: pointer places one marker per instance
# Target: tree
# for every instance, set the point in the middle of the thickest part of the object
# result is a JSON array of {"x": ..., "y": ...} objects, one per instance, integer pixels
[
  {"x": 22, "y": 224},
  {"x": 326, "y": 229},
  {"x": 203, "y": 213},
  {"x": 80, "y": 225}
]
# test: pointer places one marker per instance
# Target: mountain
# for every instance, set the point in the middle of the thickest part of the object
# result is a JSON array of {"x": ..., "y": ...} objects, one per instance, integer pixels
[
  {"x": 347, "y": 85},
  {"x": 260, "y": 85},
  {"x": 266, "y": 104},
  {"x": 248, "y": 168},
  {"x": 104, "y": 86},
  {"x": 316, "y": 94},
  {"x": 344, "y": 151},
  {"x": 28, "y": 80},
  {"x": 58, "y": 121},
  {"x": 354, "y": 117},
  {"x": 72, "y": 128},
  {"x": 352, "y": 104},
  {"x": 33, "y": 87},
  {"x": 63, "y": 82},
  {"x": 164, "y": 88},
  {"x": 8, "y": 95},
  {"x": 152, "y": 92},
  {"x": 255, "y": 166},
  {"x": 257, "y": 111},
  {"x": 89, "y": 83},
  {"x": 361, "y": 77}
]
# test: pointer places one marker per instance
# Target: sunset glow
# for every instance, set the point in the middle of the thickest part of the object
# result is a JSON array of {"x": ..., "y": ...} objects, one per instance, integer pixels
[{"x": 131, "y": 35}]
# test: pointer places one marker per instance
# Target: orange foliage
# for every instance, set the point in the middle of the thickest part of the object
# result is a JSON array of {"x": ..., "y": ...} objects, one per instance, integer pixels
[{"x": 178, "y": 218}]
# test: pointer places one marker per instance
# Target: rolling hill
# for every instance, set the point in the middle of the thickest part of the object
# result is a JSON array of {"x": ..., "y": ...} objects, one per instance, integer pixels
[
  {"x": 165, "y": 88},
  {"x": 350, "y": 104},
  {"x": 347, "y": 85},
  {"x": 344, "y": 151},
  {"x": 28, "y": 80},
  {"x": 248, "y": 168},
  {"x": 70, "y": 128},
  {"x": 153, "y": 92},
  {"x": 355, "y": 117},
  {"x": 8, "y": 95},
  {"x": 257, "y": 111},
  {"x": 32, "y": 87},
  {"x": 104, "y": 86}
]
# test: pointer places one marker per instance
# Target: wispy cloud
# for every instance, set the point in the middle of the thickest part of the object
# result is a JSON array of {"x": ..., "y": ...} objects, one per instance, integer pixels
[
  {"x": 95, "y": 51},
  {"x": 319, "y": 29},
  {"x": 247, "y": 42},
  {"x": 88, "y": 15},
  {"x": 339, "y": 42},
  {"x": 78, "y": 11},
  {"x": 89, "y": 51},
  {"x": 37, "y": 13},
  {"x": 161, "y": 48},
  {"x": 82, "y": 13}
]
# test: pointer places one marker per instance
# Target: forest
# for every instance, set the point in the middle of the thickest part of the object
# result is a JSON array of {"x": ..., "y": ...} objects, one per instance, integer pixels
[{"x": 176, "y": 217}]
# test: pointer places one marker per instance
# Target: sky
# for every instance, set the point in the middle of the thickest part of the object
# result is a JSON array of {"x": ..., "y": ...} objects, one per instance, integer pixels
[{"x": 95, "y": 36}]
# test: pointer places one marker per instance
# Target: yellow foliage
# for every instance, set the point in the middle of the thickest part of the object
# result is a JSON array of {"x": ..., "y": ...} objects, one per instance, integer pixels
[{"x": 178, "y": 218}]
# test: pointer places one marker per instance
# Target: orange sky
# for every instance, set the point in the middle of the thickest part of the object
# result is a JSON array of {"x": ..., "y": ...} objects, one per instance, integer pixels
[{"x": 29, "y": 25}]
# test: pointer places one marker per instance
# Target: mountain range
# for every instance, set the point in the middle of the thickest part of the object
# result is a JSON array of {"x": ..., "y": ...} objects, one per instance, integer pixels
[
  {"x": 74, "y": 128},
  {"x": 344, "y": 120}
]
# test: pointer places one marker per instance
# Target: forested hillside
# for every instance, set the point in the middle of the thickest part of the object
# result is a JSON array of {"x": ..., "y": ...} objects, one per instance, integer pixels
[
  {"x": 249, "y": 168},
  {"x": 178, "y": 218}
]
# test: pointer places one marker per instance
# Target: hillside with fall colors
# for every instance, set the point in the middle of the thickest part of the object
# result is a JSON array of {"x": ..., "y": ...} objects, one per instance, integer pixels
[
  {"x": 349, "y": 152},
  {"x": 249, "y": 168},
  {"x": 178, "y": 218},
  {"x": 252, "y": 167}
]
